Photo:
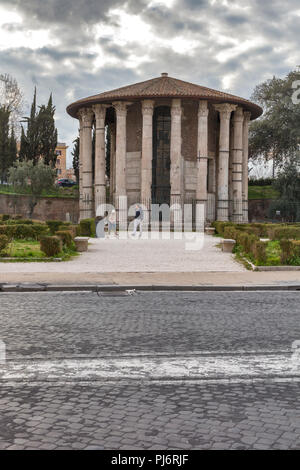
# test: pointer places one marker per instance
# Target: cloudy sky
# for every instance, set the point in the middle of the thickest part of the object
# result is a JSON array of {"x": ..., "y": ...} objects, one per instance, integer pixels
[{"x": 76, "y": 48}]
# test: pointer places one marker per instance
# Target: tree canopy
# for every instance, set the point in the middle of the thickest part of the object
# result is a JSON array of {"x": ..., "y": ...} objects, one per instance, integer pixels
[
  {"x": 276, "y": 135},
  {"x": 40, "y": 139}
]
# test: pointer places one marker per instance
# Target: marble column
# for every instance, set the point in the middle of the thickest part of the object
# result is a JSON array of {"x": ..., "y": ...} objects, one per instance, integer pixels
[
  {"x": 230, "y": 183},
  {"x": 237, "y": 166},
  {"x": 202, "y": 155},
  {"x": 247, "y": 117},
  {"x": 120, "y": 168},
  {"x": 87, "y": 200},
  {"x": 147, "y": 152},
  {"x": 225, "y": 111},
  {"x": 176, "y": 164},
  {"x": 80, "y": 164},
  {"x": 100, "y": 162}
]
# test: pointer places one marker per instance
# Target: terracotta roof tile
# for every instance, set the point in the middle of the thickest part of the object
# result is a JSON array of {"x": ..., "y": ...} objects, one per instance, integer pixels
[{"x": 163, "y": 87}]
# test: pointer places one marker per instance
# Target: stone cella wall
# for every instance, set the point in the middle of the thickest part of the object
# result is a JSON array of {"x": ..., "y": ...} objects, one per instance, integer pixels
[{"x": 47, "y": 208}]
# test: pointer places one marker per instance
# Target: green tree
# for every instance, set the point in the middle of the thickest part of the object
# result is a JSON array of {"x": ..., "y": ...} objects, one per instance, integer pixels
[
  {"x": 39, "y": 177},
  {"x": 47, "y": 133},
  {"x": 276, "y": 135},
  {"x": 287, "y": 184},
  {"x": 30, "y": 147},
  {"x": 75, "y": 154},
  {"x": 40, "y": 139}
]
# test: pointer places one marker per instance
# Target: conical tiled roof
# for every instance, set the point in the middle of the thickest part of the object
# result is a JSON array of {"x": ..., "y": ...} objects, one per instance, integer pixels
[{"x": 164, "y": 87}]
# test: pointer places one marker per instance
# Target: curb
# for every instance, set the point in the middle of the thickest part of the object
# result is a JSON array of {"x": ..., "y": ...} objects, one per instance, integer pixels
[{"x": 148, "y": 288}]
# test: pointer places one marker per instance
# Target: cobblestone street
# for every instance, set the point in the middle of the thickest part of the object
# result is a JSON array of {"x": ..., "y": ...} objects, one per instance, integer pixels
[{"x": 150, "y": 371}]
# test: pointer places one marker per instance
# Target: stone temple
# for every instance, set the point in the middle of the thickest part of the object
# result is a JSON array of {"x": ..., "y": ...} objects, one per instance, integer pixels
[{"x": 171, "y": 142}]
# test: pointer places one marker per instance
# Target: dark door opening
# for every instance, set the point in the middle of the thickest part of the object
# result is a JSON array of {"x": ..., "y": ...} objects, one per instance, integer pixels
[{"x": 161, "y": 163}]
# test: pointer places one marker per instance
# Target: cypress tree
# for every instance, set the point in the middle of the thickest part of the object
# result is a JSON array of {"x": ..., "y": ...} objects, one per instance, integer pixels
[
  {"x": 47, "y": 133},
  {"x": 75, "y": 154}
]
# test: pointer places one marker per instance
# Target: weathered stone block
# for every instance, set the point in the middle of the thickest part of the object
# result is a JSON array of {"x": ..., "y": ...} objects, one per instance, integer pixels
[{"x": 81, "y": 243}]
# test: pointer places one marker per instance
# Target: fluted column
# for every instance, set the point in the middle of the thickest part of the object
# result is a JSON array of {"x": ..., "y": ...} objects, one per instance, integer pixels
[
  {"x": 230, "y": 183},
  {"x": 175, "y": 154},
  {"x": 87, "y": 117},
  {"x": 100, "y": 166},
  {"x": 80, "y": 164},
  {"x": 225, "y": 111},
  {"x": 202, "y": 152},
  {"x": 121, "y": 137},
  {"x": 147, "y": 151},
  {"x": 237, "y": 167},
  {"x": 247, "y": 117}
]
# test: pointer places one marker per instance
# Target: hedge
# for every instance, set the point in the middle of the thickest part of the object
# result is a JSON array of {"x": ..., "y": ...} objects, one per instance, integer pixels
[
  {"x": 260, "y": 252},
  {"x": 287, "y": 233},
  {"x": 53, "y": 225},
  {"x": 4, "y": 241},
  {"x": 24, "y": 232},
  {"x": 51, "y": 246},
  {"x": 65, "y": 237},
  {"x": 87, "y": 228}
]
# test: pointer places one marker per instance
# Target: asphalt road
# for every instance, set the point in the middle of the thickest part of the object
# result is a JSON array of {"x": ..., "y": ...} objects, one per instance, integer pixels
[{"x": 209, "y": 370}]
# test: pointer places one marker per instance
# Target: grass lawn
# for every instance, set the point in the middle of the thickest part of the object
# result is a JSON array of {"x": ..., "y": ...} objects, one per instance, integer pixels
[
  {"x": 31, "y": 249},
  {"x": 262, "y": 192}
]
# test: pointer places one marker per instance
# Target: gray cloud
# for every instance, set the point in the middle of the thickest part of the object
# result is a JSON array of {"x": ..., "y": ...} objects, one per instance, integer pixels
[{"x": 270, "y": 29}]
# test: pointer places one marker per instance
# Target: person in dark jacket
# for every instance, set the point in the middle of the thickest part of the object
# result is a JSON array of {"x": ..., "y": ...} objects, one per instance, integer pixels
[{"x": 138, "y": 221}]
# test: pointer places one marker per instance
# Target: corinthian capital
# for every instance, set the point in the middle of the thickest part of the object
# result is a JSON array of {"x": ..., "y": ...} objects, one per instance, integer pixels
[
  {"x": 100, "y": 111},
  {"x": 238, "y": 114},
  {"x": 147, "y": 107},
  {"x": 203, "y": 109},
  {"x": 86, "y": 117},
  {"x": 225, "y": 109},
  {"x": 121, "y": 107}
]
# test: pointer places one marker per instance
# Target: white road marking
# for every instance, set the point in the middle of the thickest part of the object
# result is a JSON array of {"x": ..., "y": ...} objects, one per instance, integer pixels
[{"x": 145, "y": 368}]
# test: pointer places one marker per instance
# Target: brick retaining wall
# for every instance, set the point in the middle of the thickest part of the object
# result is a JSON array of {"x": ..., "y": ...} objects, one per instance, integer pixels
[{"x": 47, "y": 208}]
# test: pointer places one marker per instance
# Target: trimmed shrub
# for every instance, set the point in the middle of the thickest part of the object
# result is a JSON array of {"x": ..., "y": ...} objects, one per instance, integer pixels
[
  {"x": 8, "y": 230},
  {"x": 246, "y": 241},
  {"x": 220, "y": 226},
  {"x": 20, "y": 222},
  {"x": 51, "y": 246},
  {"x": 40, "y": 229},
  {"x": 53, "y": 225},
  {"x": 287, "y": 233},
  {"x": 65, "y": 237},
  {"x": 286, "y": 251},
  {"x": 87, "y": 228},
  {"x": 4, "y": 241},
  {"x": 5, "y": 217},
  {"x": 230, "y": 232},
  {"x": 24, "y": 232},
  {"x": 259, "y": 252}
]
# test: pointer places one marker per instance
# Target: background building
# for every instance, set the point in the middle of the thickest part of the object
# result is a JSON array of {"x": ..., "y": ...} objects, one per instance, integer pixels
[{"x": 61, "y": 162}]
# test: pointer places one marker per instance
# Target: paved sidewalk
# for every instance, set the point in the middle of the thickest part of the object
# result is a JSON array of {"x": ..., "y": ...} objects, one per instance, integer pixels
[
  {"x": 145, "y": 263},
  {"x": 140, "y": 255},
  {"x": 247, "y": 278}
]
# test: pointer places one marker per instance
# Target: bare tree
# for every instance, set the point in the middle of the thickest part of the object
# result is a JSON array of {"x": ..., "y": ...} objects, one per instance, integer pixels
[{"x": 12, "y": 99}]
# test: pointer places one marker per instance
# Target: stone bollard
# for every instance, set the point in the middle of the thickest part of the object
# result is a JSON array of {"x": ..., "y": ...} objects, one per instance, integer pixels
[
  {"x": 81, "y": 243},
  {"x": 210, "y": 230},
  {"x": 228, "y": 245}
]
